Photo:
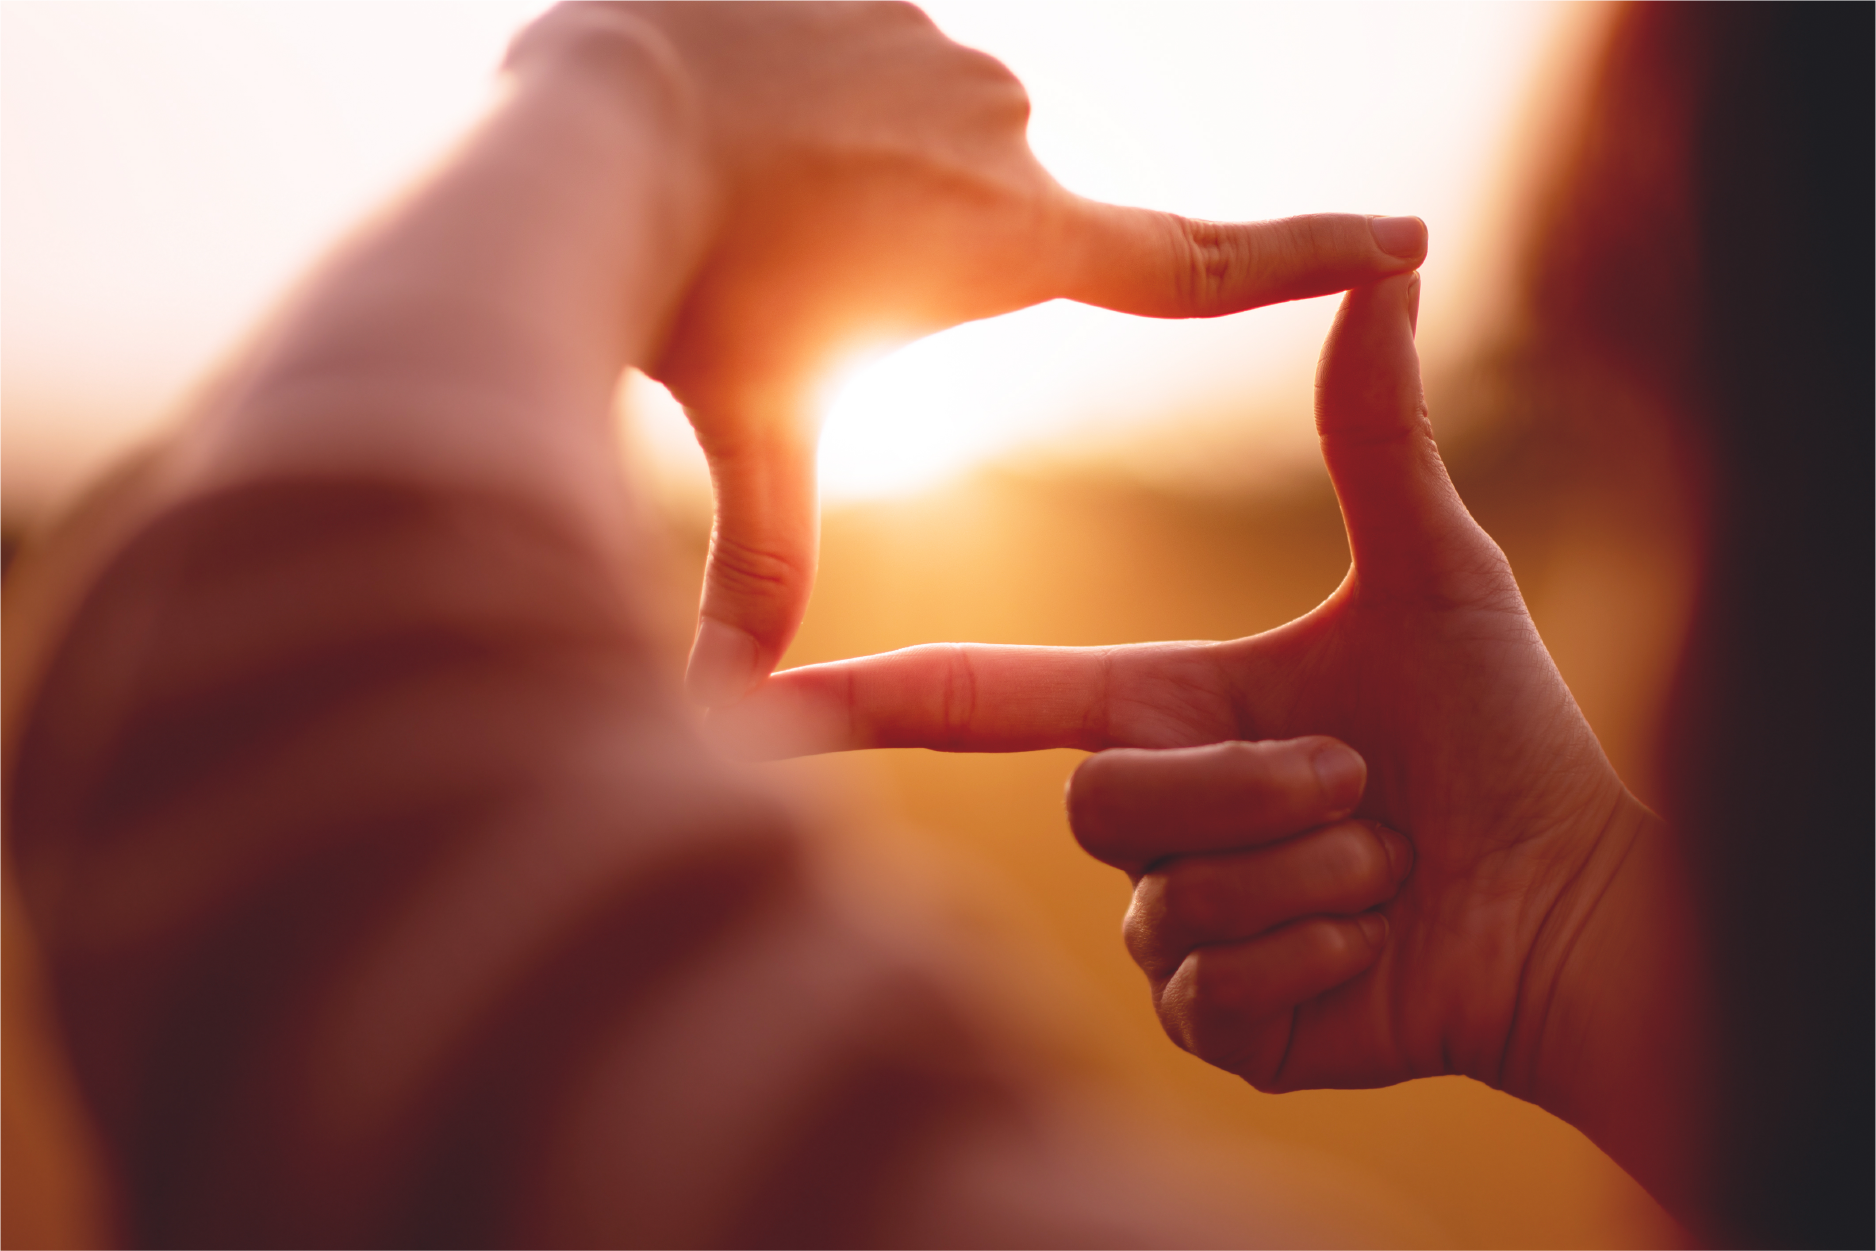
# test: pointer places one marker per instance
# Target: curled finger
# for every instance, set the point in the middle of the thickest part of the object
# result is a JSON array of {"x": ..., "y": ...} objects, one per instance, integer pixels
[
  {"x": 1132, "y": 807},
  {"x": 1194, "y": 901},
  {"x": 1232, "y": 1005}
]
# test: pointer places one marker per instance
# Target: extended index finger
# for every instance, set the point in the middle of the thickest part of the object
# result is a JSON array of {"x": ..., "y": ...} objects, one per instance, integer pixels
[
  {"x": 1163, "y": 265},
  {"x": 987, "y": 698}
]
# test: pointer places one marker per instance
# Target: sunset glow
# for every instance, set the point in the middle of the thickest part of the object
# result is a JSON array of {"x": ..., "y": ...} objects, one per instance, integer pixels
[{"x": 170, "y": 168}]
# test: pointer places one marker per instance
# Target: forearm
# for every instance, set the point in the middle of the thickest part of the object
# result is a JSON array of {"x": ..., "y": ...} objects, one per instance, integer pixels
[{"x": 473, "y": 333}]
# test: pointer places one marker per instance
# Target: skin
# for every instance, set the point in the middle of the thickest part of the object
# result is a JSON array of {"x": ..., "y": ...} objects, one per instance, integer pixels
[
  {"x": 732, "y": 197},
  {"x": 1499, "y": 906}
]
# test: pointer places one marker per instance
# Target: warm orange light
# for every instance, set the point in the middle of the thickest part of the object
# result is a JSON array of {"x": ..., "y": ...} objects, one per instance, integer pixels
[
  {"x": 169, "y": 168},
  {"x": 1227, "y": 111}
]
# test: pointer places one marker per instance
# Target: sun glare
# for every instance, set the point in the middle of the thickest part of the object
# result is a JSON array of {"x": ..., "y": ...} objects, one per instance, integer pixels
[
  {"x": 169, "y": 168},
  {"x": 1229, "y": 111}
]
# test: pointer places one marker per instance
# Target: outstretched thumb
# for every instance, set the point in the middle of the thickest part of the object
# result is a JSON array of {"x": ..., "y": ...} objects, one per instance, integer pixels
[
  {"x": 1406, "y": 523},
  {"x": 763, "y": 547}
]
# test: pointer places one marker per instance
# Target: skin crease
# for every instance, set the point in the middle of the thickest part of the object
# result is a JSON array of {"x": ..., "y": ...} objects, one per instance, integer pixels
[
  {"x": 897, "y": 197},
  {"x": 1536, "y": 944},
  {"x": 732, "y": 197}
]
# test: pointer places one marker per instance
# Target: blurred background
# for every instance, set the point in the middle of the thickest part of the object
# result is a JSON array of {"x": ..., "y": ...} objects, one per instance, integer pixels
[{"x": 1061, "y": 475}]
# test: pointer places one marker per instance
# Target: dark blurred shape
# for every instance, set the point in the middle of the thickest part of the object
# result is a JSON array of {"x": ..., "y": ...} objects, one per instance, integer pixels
[
  {"x": 388, "y": 899},
  {"x": 1708, "y": 251}
]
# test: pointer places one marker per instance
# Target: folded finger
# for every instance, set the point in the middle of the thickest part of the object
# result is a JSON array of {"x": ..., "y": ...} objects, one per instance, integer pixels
[
  {"x": 1163, "y": 265},
  {"x": 1194, "y": 901},
  {"x": 1130, "y": 808},
  {"x": 1233, "y": 1005}
]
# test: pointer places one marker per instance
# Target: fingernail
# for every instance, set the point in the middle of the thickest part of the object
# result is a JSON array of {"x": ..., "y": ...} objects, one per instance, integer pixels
[
  {"x": 1341, "y": 773},
  {"x": 1399, "y": 236},
  {"x": 722, "y": 664},
  {"x": 1400, "y": 852},
  {"x": 1413, "y": 305},
  {"x": 1373, "y": 928}
]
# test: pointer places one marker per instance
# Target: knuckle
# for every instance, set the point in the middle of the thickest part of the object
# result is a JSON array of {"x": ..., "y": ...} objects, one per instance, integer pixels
[
  {"x": 1211, "y": 984},
  {"x": 747, "y": 569},
  {"x": 1223, "y": 266},
  {"x": 1008, "y": 98},
  {"x": 994, "y": 72},
  {"x": 1139, "y": 930},
  {"x": 1209, "y": 255},
  {"x": 959, "y": 709},
  {"x": 1247, "y": 762},
  {"x": 1145, "y": 929},
  {"x": 1187, "y": 1015}
]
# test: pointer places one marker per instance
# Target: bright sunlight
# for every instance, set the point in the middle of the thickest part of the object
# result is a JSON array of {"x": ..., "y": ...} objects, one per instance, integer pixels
[{"x": 169, "y": 168}]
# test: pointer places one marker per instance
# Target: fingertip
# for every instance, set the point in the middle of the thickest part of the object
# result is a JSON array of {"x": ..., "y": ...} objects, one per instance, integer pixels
[
  {"x": 1404, "y": 237},
  {"x": 1342, "y": 774},
  {"x": 1400, "y": 852},
  {"x": 725, "y": 664},
  {"x": 1373, "y": 927}
]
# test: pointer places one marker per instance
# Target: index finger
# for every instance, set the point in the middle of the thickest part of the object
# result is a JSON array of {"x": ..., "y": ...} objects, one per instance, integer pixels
[
  {"x": 1163, "y": 265},
  {"x": 987, "y": 698}
]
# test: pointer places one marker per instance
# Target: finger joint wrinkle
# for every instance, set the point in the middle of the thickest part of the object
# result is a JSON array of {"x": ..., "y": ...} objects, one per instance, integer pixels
[
  {"x": 960, "y": 695},
  {"x": 744, "y": 567},
  {"x": 1210, "y": 258},
  {"x": 1097, "y": 724}
]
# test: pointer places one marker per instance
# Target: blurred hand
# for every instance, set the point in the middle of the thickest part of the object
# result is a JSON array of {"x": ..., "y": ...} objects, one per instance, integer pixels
[
  {"x": 873, "y": 183},
  {"x": 1425, "y": 661}
]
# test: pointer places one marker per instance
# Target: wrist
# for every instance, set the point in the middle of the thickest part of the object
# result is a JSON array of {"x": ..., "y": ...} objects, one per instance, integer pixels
[{"x": 1614, "y": 1031}]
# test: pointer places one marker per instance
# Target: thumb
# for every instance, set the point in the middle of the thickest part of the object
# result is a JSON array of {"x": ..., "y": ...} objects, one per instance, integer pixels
[
  {"x": 1407, "y": 528},
  {"x": 762, "y": 553}
]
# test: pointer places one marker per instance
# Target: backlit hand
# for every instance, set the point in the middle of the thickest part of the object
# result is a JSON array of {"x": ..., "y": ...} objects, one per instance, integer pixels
[
  {"x": 873, "y": 183},
  {"x": 1424, "y": 661}
]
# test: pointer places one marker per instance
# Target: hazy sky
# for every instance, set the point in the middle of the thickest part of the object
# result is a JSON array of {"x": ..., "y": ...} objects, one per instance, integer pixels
[{"x": 170, "y": 167}]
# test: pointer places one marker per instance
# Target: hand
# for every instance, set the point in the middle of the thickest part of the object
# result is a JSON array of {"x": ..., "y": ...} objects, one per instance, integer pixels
[
  {"x": 872, "y": 183},
  {"x": 1528, "y": 946},
  {"x": 1424, "y": 661}
]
